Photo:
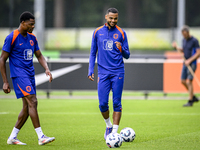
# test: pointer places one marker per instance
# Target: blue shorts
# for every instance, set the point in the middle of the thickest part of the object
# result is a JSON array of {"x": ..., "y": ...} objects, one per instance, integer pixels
[
  {"x": 107, "y": 82},
  {"x": 186, "y": 73},
  {"x": 24, "y": 86}
]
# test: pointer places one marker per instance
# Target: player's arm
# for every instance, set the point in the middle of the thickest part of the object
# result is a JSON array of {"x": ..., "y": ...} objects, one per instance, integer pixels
[
  {"x": 93, "y": 53},
  {"x": 175, "y": 45},
  {"x": 43, "y": 63},
  {"x": 123, "y": 47},
  {"x": 3, "y": 58}
]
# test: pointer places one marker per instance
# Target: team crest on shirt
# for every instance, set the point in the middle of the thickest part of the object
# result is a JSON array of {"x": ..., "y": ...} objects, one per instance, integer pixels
[
  {"x": 31, "y": 42},
  {"x": 28, "y": 88},
  {"x": 28, "y": 54},
  {"x": 108, "y": 44},
  {"x": 115, "y": 36}
]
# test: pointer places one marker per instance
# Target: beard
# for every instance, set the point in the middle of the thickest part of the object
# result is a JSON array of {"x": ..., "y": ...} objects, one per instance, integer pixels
[{"x": 110, "y": 25}]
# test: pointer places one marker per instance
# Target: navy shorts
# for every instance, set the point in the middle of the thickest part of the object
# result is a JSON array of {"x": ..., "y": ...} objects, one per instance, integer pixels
[
  {"x": 24, "y": 86},
  {"x": 186, "y": 73},
  {"x": 107, "y": 82}
]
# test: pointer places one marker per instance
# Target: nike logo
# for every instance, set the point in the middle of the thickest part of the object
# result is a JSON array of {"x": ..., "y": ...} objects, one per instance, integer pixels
[
  {"x": 101, "y": 34},
  {"x": 120, "y": 77},
  {"x": 20, "y": 44},
  {"x": 42, "y": 78}
]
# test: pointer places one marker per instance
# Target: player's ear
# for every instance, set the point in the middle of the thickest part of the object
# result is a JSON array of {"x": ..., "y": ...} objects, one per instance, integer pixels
[
  {"x": 22, "y": 23},
  {"x": 106, "y": 16}
]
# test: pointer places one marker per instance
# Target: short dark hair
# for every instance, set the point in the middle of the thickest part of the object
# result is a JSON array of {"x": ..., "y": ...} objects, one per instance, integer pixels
[
  {"x": 185, "y": 28},
  {"x": 112, "y": 10},
  {"x": 26, "y": 16}
]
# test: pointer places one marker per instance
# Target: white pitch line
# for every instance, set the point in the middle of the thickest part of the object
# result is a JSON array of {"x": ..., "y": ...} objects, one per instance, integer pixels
[
  {"x": 4, "y": 113},
  {"x": 93, "y": 113},
  {"x": 142, "y": 114}
]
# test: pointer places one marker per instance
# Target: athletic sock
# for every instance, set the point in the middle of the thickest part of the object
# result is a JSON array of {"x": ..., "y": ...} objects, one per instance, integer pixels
[
  {"x": 39, "y": 132},
  {"x": 115, "y": 128},
  {"x": 14, "y": 133},
  {"x": 108, "y": 123}
]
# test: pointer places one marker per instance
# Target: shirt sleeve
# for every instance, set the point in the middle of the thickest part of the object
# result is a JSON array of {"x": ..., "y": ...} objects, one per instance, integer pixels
[
  {"x": 93, "y": 53},
  {"x": 196, "y": 44},
  {"x": 36, "y": 45},
  {"x": 7, "y": 44},
  {"x": 125, "y": 47}
]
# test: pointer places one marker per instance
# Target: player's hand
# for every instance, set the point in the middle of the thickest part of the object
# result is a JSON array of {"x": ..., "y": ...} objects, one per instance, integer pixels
[
  {"x": 118, "y": 44},
  {"x": 6, "y": 88},
  {"x": 187, "y": 62},
  {"x": 48, "y": 73},
  {"x": 91, "y": 77},
  {"x": 174, "y": 44}
]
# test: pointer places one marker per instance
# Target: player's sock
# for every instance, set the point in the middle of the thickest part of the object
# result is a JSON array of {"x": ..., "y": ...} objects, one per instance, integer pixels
[
  {"x": 39, "y": 132},
  {"x": 115, "y": 128},
  {"x": 108, "y": 123},
  {"x": 14, "y": 133}
]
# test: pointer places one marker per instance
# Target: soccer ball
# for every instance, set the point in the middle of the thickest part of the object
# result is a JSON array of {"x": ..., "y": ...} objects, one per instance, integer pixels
[
  {"x": 114, "y": 140},
  {"x": 127, "y": 134}
]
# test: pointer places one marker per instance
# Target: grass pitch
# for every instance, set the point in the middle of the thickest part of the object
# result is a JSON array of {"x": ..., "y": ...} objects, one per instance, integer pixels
[{"x": 78, "y": 125}]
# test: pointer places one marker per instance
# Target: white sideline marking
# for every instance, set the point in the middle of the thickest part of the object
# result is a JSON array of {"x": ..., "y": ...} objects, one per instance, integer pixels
[
  {"x": 3, "y": 113},
  {"x": 149, "y": 114},
  {"x": 93, "y": 113}
]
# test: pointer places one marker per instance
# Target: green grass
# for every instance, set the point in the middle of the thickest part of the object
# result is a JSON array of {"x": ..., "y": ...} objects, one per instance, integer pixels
[{"x": 78, "y": 125}]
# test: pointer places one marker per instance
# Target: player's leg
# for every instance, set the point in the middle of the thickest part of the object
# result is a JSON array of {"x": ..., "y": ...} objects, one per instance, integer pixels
[
  {"x": 33, "y": 113},
  {"x": 184, "y": 77},
  {"x": 104, "y": 86},
  {"x": 25, "y": 87},
  {"x": 42, "y": 139},
  {"x": 190, "y": 86},
  {"x": 32, "y": 109},
  {"x": 23, "y": 116},
  {"x": 117, "y": 88},
  {"x": 190, "y": 89},
  {"x": 190, "y": 78}
]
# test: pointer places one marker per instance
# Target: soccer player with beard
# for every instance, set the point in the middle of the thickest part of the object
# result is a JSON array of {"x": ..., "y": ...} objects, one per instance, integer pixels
[{"x": 111, "y": 43}]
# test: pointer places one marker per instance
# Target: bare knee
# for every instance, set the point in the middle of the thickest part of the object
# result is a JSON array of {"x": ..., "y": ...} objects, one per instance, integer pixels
[
  {"x": 25, "y": 105},
  {"x": 189, "y": 83},
  {"x": 32, "y": 101},
  {"x": 183, "y": 82}
]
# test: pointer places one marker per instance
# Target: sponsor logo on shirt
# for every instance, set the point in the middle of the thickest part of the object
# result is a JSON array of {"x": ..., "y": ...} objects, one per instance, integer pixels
[
  {"x": 31, "y": 42},
  {"x": 108, "y": 44},
  {"x": 115, "y": 36},
  {"x": 28, "y": 54}
]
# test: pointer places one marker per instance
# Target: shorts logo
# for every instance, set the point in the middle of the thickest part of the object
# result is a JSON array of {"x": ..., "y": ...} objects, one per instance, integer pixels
[
  {"x": 98, "y": 80},
  {"x": 115, "y": 36},
  {"x": 28, "y": 88},
  {"x": 108, "y": 44},
  {"x": 31, "y": 42},
  {"x": 28, "y": 54}
]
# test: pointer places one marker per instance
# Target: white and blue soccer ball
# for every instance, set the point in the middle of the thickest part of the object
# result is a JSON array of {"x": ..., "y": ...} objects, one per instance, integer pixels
[
  {"x": 113, "y": 140},
  {"x": 127, "y": 134}
]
